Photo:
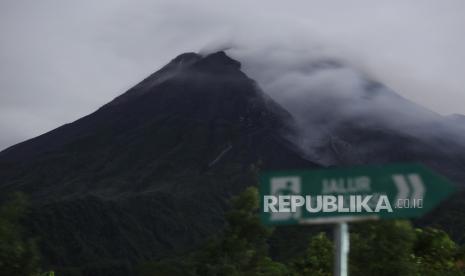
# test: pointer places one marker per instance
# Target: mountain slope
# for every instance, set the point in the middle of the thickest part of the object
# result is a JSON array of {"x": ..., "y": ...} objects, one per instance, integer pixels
[
  {"x": 151, "y": 172},
  {"x": 345, "y": 117}
]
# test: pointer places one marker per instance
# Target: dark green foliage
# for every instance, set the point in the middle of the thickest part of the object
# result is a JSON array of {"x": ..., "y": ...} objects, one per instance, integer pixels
[
  {"x": 318, "y": 258},
  {"x": 377, "y": 248},
  {"x": 387, "y": 248},
  {"x": 18, "y": 253},
  {"x": 242, "y": 250},
  {"x": 382, "y": 248},
  {"x": 436, "y": 253}
]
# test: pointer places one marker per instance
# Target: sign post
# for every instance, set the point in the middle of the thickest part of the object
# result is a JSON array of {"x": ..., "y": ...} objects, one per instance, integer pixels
[
  {"x": 345, "y": 195},
  {"x": 341, "y": 249}
]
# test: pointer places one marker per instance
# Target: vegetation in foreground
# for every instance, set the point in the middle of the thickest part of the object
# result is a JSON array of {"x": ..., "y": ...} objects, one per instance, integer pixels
[{"x": 377, "y": 248}]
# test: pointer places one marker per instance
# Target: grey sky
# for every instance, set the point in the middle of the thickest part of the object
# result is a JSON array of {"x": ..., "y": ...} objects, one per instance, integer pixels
[{"x": 60, "y": 60}]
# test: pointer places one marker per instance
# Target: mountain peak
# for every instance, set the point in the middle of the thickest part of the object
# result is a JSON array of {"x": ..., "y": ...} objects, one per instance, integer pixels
[
  {"x": 188, "y": 57},
  {"x": 215, "y": 61},
  {"x": 220, "y": 59},
  {"x": 185, "y": 65}
]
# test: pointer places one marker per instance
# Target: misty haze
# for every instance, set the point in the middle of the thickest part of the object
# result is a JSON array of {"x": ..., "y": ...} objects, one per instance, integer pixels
[{"x": 141, "y": 138}]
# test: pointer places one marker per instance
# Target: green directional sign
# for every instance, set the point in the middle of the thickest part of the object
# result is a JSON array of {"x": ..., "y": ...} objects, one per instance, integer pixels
[{"x": 350, "y": 194}]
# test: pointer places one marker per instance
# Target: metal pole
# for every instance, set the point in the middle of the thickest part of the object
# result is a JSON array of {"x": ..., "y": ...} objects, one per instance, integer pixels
[{"x": 341, "y": 249}]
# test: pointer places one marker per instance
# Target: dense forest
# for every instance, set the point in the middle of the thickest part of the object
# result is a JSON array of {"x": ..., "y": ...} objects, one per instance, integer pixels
[{"x": 377, "y": 248}]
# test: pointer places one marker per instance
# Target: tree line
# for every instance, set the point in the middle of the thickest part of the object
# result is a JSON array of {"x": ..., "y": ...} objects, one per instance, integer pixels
[{"x": 392, "y": 247}]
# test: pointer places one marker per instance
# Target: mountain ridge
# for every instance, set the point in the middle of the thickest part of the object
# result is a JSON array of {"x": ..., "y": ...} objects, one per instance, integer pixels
[{"x": 150, "y": 173}]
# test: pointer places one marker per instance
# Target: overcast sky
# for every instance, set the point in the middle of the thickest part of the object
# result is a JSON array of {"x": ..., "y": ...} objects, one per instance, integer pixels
[{"x": 60, "y": 60}]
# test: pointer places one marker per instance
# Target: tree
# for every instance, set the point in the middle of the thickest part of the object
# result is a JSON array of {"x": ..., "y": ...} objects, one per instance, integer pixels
[
  {"x": 18, "y": 253},
  {"x": 382, "y": 248},
  {"x": 243, "y": 249},
  {"x": 318, "y": 259},
  {"x": 436, "y": 253},
  {"x": 392, "y": 247}
]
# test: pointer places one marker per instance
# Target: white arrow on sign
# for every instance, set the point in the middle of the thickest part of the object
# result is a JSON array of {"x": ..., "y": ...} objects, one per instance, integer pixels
[
  {"x": 418, "y": 187},
  {"x": 402, "y": 184}
]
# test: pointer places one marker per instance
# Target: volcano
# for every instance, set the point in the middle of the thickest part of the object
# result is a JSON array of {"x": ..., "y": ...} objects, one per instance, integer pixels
[{"x": 150, "y": 174}]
